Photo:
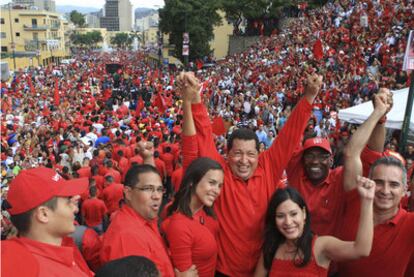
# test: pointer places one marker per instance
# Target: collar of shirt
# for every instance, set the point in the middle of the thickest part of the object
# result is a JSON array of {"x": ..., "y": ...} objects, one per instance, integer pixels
[
  {"x": 60, "y": 254},
  {"x": 397, "y": 218},
  {"x": 139, "y": 219}
]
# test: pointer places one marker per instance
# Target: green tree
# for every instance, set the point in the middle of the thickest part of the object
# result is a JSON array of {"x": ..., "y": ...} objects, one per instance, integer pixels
[
  {"x": 77, "y": 18},
  {"x": 197, "y": 17},
  {"x": 266, "y": 11},
  {"x": 122, "y": 40}
]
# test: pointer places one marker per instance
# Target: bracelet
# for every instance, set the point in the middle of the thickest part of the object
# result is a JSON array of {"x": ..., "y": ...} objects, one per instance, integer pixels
[{"x": 382, "y": 120}]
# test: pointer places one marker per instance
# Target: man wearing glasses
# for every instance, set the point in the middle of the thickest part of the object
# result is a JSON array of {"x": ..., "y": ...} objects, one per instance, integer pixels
[{"x": 134, "y": 229}]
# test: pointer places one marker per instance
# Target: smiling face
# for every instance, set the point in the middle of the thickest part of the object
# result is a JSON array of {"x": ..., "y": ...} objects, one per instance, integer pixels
[
  {"x": 290, "y": 219},
  {"x": 209, "y": 187},
  {"x": 389, "y": 187},
  {"x": 243, "y": 158},
  {"x": 316, "y": 162}
]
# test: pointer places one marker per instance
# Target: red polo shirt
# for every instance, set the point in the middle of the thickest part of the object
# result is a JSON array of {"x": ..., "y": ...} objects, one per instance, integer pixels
[
  {"x": 392, "y": 247},
  {"x": 49, "y": 260},
  {"x": 111, "y": 195},
  {"x": 192, "y": 241},
  {"x": 242, "y": 205},
  {"x": 130, "y": 234},
  {"x": 93, "y": 211},
  {"x": 325, "y": 201}
]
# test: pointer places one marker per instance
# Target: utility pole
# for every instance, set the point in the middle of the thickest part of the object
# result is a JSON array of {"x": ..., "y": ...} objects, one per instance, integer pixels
[{"x": 13, "y": 46}]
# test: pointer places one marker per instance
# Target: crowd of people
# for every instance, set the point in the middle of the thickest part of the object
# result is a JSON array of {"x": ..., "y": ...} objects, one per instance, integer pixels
[{"x": 239, "y": 169}]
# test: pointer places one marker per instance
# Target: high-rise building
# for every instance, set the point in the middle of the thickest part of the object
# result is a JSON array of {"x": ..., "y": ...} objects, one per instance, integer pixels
[
  {"x": 117, "y": 15},
  {"x": 46, "y": 5}
]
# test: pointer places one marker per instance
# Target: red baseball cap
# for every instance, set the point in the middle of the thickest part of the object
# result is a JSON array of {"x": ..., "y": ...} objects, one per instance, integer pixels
[
  {"x": 35, "y": 186},
  {"x": 317, "y": 142}
]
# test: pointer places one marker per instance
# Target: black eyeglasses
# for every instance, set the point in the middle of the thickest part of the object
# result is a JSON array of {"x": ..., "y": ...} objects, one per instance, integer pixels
[{"x": 151, "y": 189}]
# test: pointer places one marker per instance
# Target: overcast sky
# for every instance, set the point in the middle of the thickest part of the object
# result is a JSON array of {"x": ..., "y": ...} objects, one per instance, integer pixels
[{"x": 99, "y": 3}]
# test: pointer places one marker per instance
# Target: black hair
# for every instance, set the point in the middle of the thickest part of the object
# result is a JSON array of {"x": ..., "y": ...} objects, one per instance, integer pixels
[
  {"x": 192, "y": 176},
  {"x": 23, "y": 221},
  {"x": 129, "y": 266},
  {"x": 272, "y": 236},
  {"x": 92, "y": 191},
  {"x": 242, "y": 134},
  {"x": 132, "y": 176}
]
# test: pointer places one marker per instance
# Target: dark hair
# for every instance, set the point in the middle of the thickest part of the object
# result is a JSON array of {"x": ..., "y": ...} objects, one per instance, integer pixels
[
  {"x": 192, "y": 176},
  {"x": 92, "y": 191},
  {"x": 242, "y": 134},
  {"x": 23, "y": 221},
  {"x": 390, "y": 161},
  {"x": 129, "y": 266},
  {"x": 132, "y": 176},
  {"x": 272, "y": 236}
]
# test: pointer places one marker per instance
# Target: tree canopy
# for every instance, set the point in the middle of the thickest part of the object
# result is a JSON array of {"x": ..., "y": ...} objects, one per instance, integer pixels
[
  {"x": 122, "y": 40},
  {"x": 90, "y": 39},
  {"x": 77, "y": 18},
  {"x": 197, "y": 17}
]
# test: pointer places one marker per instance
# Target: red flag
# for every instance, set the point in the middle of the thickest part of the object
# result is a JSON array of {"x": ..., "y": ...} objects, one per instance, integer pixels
[
  {"x": 318, "y": 50},
  {"x": 218, "y": 126},
  {"x": 171, "y": 80},
  {"x": 56, "y": 93},
  {"x": 139, "y": 105},
  {"x": 32, "y": 89},
  {"x": 199, "y": 64},
  {"x": 159, "y": 102}
]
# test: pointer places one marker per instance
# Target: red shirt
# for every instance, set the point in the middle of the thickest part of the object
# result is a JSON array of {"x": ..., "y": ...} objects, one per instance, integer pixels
[
  {"x": 84, "y": 172},
  {"x": 192, "y": 241},
  {"x": 91, "y": 247},
  {"x": 392, "y": 247},
  {"x": 99, "y": 181},
  {"x": 242, "y": 205},
  {"x": 136, "y": 159},
  {"x": 49, "y": 260},
  {"x": 169, "y": 160},
  {"x": 176, "y": 178},
  {"x": 160, "y": 165},
  {"x": 93, "y": 211},
  {"x": 114, "y": 173},
  {"x": 130, "y": 234},
  {"x": 111, "y": 195},
  {"x": 325, "y": 201},
  {"x": 287, "y": 268}
]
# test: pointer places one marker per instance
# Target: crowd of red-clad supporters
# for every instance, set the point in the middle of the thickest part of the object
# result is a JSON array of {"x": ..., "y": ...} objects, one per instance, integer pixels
[{"x": 93, "y": 128}]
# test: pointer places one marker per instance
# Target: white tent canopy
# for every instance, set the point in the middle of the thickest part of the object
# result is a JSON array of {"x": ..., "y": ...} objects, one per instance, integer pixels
[{"x": 358, "y": 114}]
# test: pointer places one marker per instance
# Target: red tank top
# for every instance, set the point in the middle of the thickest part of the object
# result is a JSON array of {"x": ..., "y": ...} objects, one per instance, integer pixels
[{"x": 286, "y": 268}]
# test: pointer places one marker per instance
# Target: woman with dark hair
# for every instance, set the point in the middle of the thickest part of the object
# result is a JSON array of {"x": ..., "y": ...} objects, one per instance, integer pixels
[
  {"x": 191, "y": 228},
  {"x": 291, "y": 249}
]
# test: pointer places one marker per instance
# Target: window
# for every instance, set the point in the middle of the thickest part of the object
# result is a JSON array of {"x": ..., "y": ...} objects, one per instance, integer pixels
[
  {"x": 16, "y": 20},
  {"x": 3, "y": 35},
  {"x": 35, "y": 36},
  {"x": 4, "y": 49},
  {"x": 17, "y": 34},
  {"x": 34, "y": 21},
  {"x": 2, "y": 20}
]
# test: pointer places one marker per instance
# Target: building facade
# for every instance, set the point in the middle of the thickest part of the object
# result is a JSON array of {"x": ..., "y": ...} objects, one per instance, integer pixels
[
  {"x": 117, "y": 16},
  {"x": 31, "y": 34}
]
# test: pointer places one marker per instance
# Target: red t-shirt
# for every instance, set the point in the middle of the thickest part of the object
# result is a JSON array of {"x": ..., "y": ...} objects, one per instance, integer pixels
[
  {"x": 130, "y": 234},
  {"x": 49, "y": 260},
  {"x": 168, "y": 159},
  {"x": 91, "y": 247},
  {"x": 111, "y": 195},
  {"x": 93, "y": 211},
  {"x": 114, "y": 173},
  {"x": 192, "y": 241},
  {"x": 84, "y": 172},
  {"x": 176, "y": 178},
  {"x": 241, "y": 206},
  {"x": 392, "y": 247}
]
